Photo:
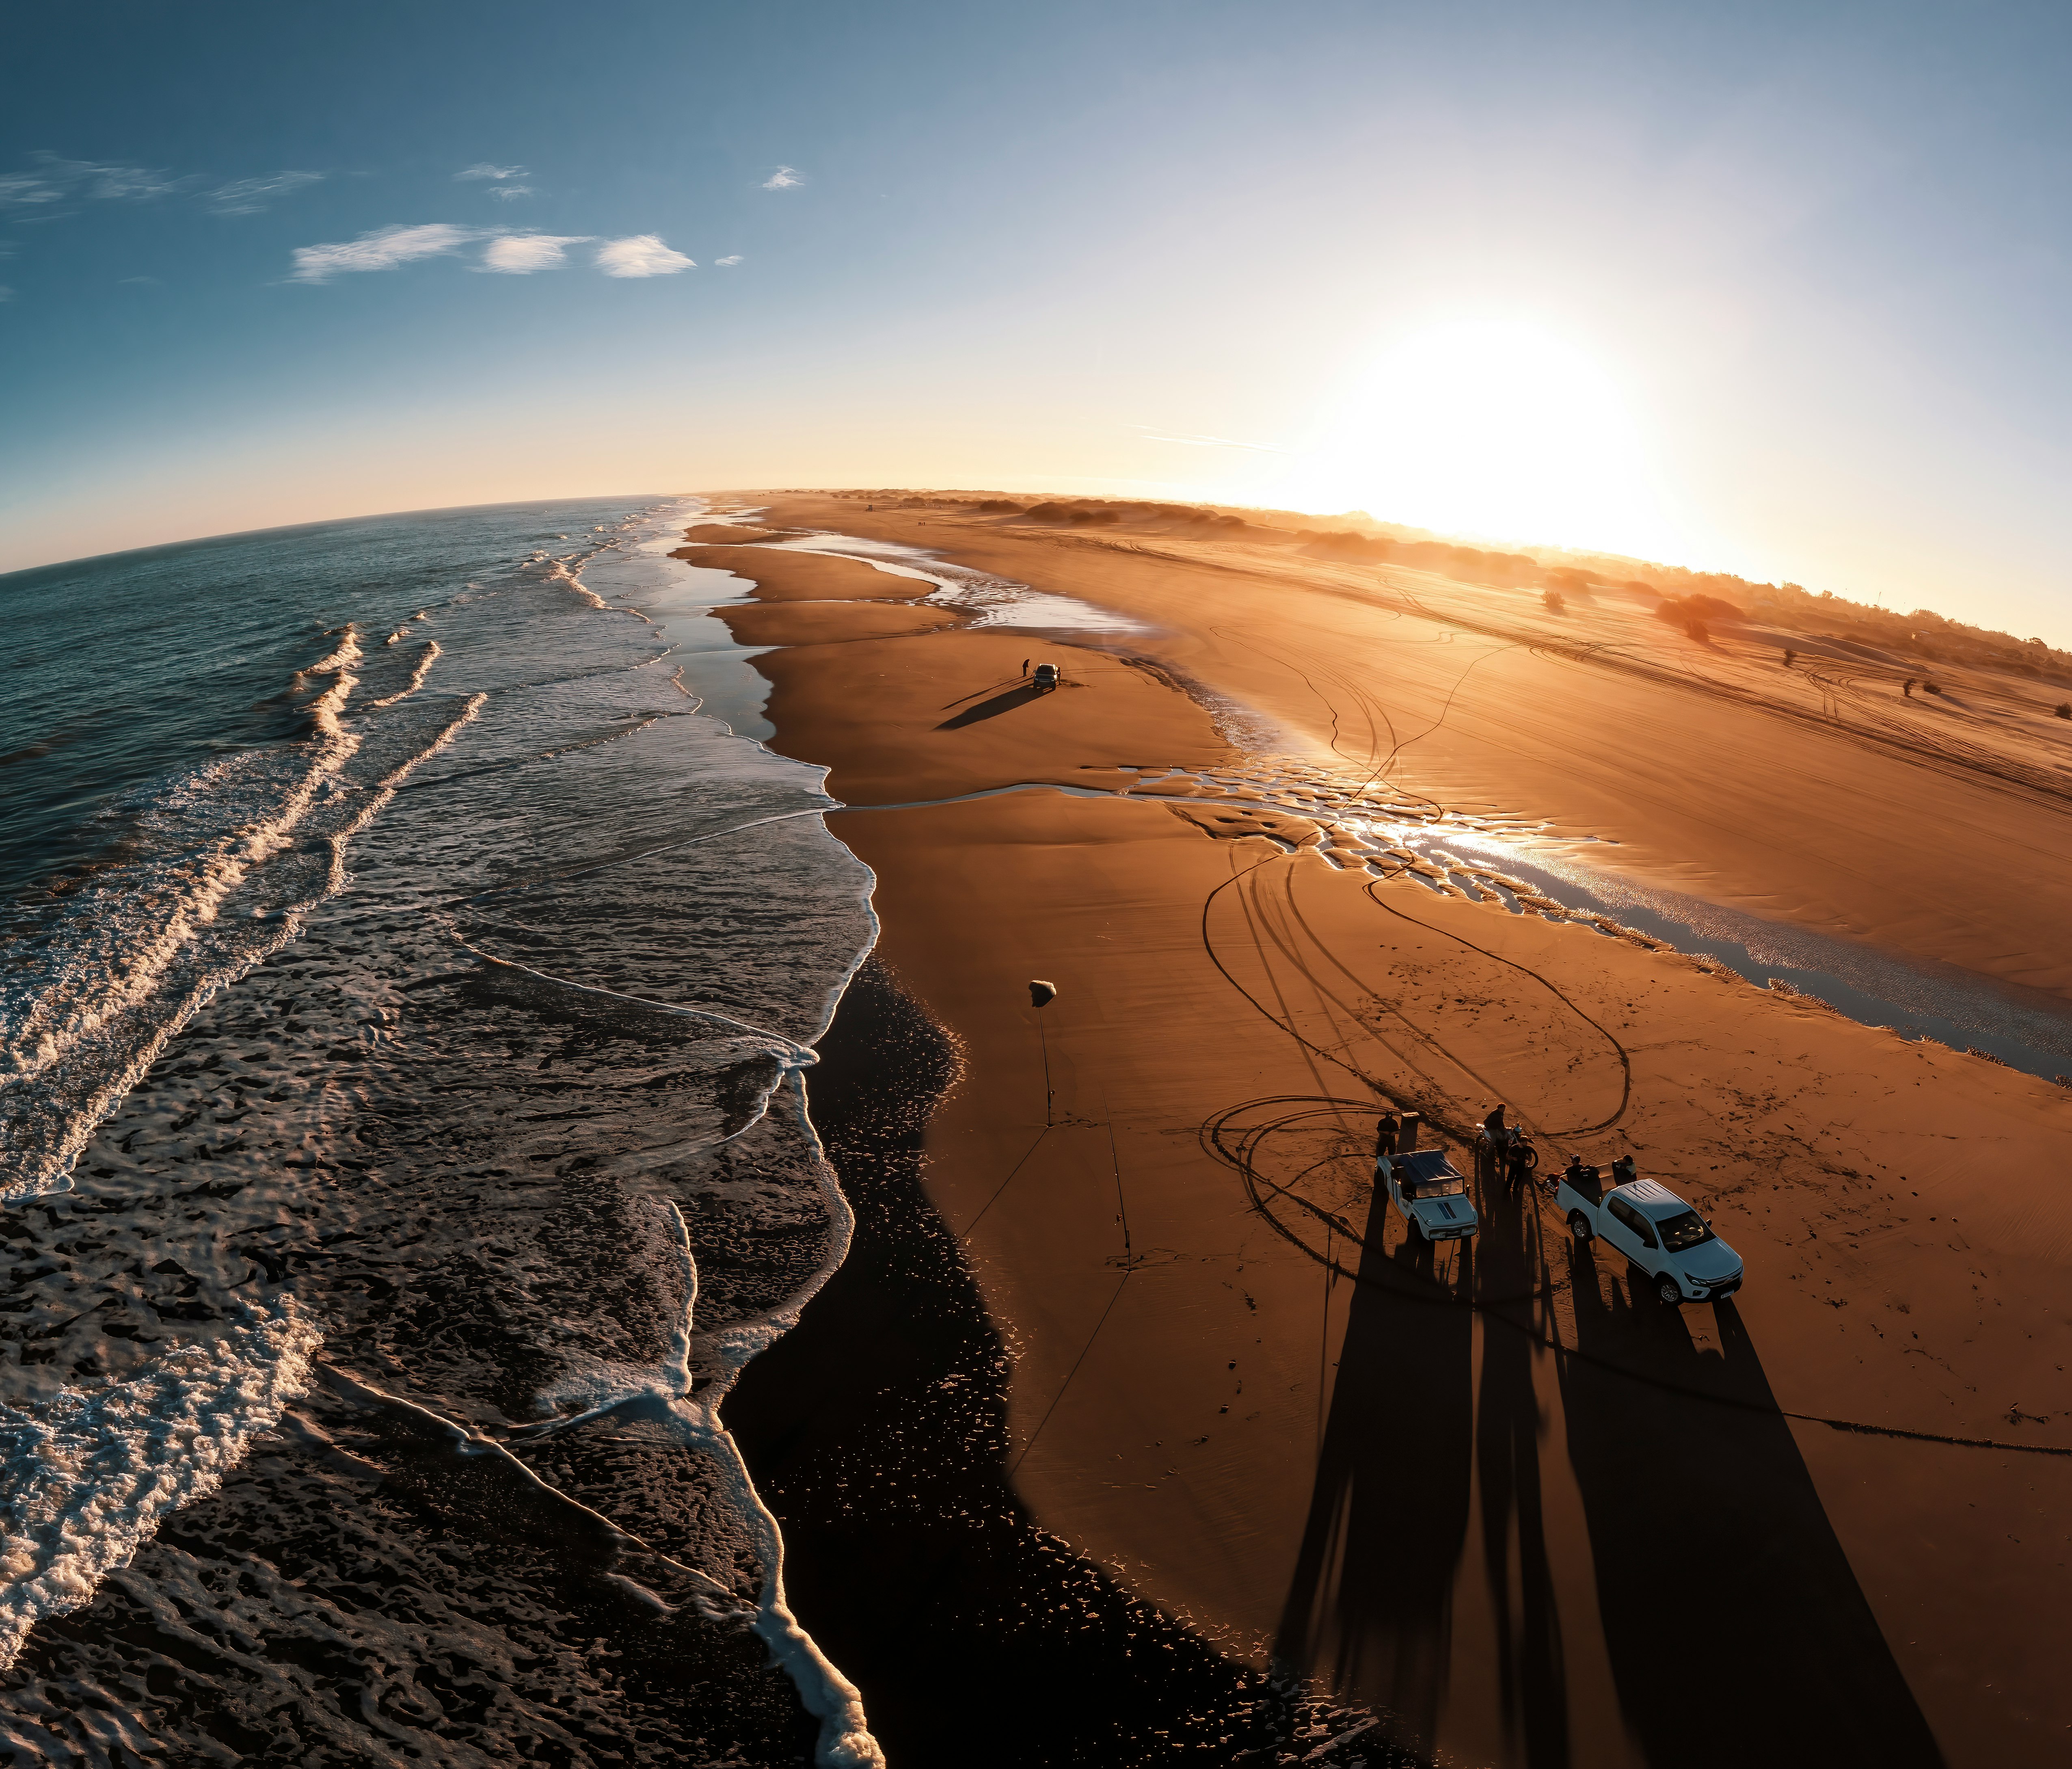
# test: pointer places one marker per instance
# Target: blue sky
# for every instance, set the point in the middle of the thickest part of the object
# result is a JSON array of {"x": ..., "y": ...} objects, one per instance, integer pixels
[{"x": 1782, "y": 290}]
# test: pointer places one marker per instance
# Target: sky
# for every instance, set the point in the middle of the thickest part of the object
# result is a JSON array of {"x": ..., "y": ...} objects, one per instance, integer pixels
[{"x": 1784, "y": 290}]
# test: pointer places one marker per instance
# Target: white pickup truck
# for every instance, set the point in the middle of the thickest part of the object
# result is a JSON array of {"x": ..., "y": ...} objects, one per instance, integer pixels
[
  {"x": 1431, "y": 1192},
  {"x": 1654, "y": 1228}
]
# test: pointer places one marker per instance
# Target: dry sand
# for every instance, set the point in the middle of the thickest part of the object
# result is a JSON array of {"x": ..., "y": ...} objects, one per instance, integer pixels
[{"x": 1503, "y": 1494}]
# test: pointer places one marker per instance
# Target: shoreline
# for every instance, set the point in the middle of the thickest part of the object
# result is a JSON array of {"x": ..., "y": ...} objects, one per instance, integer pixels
[
  {"x": 933, "y": 1588},
  {"x": 1718, "y": 785},
  {"x": 1794, "y": 1125}
]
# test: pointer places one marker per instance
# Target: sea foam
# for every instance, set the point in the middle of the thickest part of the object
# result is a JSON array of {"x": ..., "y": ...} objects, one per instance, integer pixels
[{"x": 90, "y": 1477}]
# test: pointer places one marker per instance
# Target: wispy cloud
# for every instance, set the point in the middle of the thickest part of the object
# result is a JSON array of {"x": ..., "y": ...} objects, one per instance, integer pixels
[
  {"x": 482, "y": 169},
  {"x": 382, "y": 249},
  {"x": 249, "y": 195},
  {"x": 727, "y": 264},
  {"x": 1205, "y": 442},
  {"x": 55, "y": 179},
  {"x": 520, "y": 254},
  {"x": 785, "y": 178},
  {"x": 641, "y": 255},
  {"x": 149, "y": 282},
  {"x": 504, "y": 193}
]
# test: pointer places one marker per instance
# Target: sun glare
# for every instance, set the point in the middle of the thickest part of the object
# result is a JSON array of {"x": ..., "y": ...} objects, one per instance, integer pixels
[{"x": 1494, "y": 428}]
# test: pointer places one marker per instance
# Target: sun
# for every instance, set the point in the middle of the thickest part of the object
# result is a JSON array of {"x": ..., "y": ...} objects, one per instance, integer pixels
[{"x": 1496, "y": 428}]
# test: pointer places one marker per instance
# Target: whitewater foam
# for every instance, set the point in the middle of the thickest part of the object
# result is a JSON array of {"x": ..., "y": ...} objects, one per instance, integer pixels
[
  {"x": 426, "y": 659},
  {"x": 90, "y": 1477},
  {"x": 663, "y": 1395},
  {"x": 131, "y": 961},
  {"x": 441, "y": 1110}
]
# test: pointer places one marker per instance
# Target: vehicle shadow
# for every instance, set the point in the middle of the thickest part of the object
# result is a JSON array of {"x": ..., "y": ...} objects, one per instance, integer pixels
[
  {"x": 1531, "y": 1679},
  {"x": 1370, "y": 1606},
  {"x": 1020, "y": 695},
  {"x": 1736, "y": 1631}
]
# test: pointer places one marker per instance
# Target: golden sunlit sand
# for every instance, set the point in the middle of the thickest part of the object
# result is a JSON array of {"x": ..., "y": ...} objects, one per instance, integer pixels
[{"x": 1503, "y": 1494}]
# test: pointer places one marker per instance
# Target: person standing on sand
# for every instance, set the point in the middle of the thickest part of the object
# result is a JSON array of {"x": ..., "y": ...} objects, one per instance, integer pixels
[
  {"x": 1024, "y": 666},
  {"x": 1494, "y": 1143}
]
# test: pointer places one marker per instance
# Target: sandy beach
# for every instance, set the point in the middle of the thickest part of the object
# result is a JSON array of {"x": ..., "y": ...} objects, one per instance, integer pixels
[{"x": 1498, "y": 1494}]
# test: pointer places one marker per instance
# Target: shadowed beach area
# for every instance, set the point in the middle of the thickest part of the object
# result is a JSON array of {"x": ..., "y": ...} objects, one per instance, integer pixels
[{"x": 1497, "y": 1494}]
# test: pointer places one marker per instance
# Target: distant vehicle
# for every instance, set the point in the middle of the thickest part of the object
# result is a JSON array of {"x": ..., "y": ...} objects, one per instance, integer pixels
[
  {"x": 1655, "y": 1228},
  {"x": 1047, "y": 677},
  {"x": 1430, "y": 1191}
]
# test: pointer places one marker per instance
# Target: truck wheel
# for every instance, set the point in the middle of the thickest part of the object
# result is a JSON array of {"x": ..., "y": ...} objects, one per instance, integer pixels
[
  {"x": 1670, "y": 1292},
  {"x": 1579, "y": 1226}
]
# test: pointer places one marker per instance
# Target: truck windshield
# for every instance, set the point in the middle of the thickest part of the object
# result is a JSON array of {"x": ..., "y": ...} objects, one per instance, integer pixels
[
  {"x": 1688, "y": 1230},
  {"x": 1450, "y": 1185}
]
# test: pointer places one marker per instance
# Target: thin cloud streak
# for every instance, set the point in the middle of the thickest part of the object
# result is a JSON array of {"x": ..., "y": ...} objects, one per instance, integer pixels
[
  {"x": 382, "y": 249},
  {"x": 641, "y": 255},
  {"x": 785, "y": 178},
  {"x": 482, "y": 169},
  {"x": 56, "y": 180},
  {"x": 727, "y": 264},
  {"x": 249, "y": 195},
  {"x": 520, "y": 254},
  {"x": 1207, "y": 441},
  {"x": 504, "y": 193}
]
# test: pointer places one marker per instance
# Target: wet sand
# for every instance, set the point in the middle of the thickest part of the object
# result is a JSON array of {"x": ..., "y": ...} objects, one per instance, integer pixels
[
  {"x": 1820, "y": 796},
  {"x": 1503, "y": 1496},
  {"x": 781, "y": 575},
  {"x": 827, "y": 623}
]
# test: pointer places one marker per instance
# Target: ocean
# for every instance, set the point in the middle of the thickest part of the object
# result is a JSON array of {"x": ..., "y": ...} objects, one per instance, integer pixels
[{"x": 412, "y": 956}]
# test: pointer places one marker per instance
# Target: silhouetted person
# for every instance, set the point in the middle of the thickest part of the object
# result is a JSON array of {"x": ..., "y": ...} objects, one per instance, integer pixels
[
  {"x": 1495, "y": 1143},
  {"x": 1385, "y": 1134}
]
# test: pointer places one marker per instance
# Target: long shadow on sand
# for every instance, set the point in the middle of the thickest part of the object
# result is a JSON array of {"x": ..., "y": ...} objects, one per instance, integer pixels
[
  {"x": 1737, "y": 1629},
  {"x": 1018, "y": 696},
  {"x": 1370, "y": 1607},
  {"x": 877, "y": 1432},
  {"x": 1532, "y": 1680}
]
